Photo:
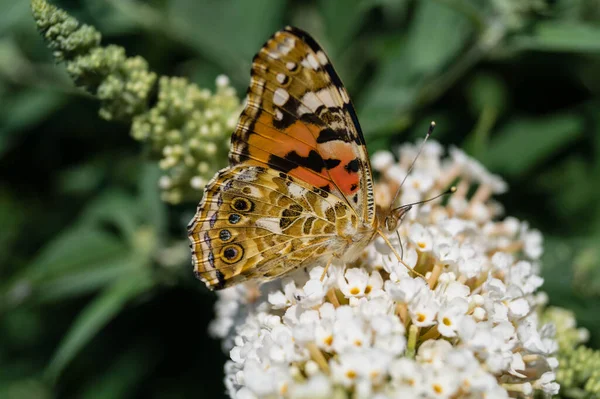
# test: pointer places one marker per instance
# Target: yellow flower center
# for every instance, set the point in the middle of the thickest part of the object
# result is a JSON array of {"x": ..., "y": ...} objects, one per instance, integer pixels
[
  {"x": 446, "y": 321},
  {"x": 354, "y": 290}
]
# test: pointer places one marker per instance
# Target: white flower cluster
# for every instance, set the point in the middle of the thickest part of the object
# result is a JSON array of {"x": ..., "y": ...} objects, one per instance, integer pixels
[{"x": 374, "y": 329}]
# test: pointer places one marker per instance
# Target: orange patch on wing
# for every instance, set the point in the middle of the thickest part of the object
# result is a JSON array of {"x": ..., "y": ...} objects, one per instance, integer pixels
[
  {"x": 348, "y": 182},
  {"x": 311, "y": 178},
  {"x": 298, "y": 137}
]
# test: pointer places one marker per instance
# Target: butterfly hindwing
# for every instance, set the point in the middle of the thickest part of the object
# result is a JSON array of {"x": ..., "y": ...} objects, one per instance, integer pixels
[
  {"x": 299, "y": 120},
  {"x": 255, "y": 222}
]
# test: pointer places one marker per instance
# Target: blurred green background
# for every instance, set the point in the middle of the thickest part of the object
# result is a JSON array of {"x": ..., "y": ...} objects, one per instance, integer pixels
[{"x": 97, "y": 297}]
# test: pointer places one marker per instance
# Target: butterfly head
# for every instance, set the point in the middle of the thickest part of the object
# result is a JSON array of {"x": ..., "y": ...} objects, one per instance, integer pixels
[{"x": 395, "y": 217}]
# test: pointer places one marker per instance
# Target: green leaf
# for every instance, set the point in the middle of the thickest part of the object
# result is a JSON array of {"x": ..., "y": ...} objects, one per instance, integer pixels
[
  {"x": 435, "y": 37},
  {"x": 94, "y": 317},
  {"x": 342, "y": 19},
  {"x": 155, "y": 210},
  {"x": 116, "y": 208},
  {"x": 487, "y": 98},
  {"x": 232, "y": 42},
  {"x": 13, "y": 13},
  {"x": 74, "y": 249},
  {"x": 78, "y": 261},
  {"x": 524, "y": 143},
  {"x": 24, "y": 109},
  {"x": 88, "y": 280},
  {"x": 560, "y": 36},
  {"x": 569, "y": 287},
  {"x": 571, "y": 195},
  {"x": 108, "y": 19},
  {"x": 485, "y": 90},
  {"x": 81, "y": 179}
]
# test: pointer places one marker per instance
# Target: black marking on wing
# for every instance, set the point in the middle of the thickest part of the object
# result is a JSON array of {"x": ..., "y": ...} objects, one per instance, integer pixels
[
  {"x": 221, "y": 279},
  {"x": 292, "y": 160},
  {"x": 213, "y": 220},
  {"x": 329, "y": 134},
  {"x": 335, "y": 79},
  {"x": 353, "y": 166},
  {"x": 332, "y": 163},
  {"x": 325, "y": 189}
]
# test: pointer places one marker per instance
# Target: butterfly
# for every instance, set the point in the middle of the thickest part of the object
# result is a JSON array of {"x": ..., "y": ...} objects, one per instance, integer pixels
[{"x": 298, "y": 190}]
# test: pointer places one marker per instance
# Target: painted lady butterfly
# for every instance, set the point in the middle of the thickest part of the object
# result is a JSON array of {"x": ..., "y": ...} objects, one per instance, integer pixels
[{"x": 298, "y": 190}]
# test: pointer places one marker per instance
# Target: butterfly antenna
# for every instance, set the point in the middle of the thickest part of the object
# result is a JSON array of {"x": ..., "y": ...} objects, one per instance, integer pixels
[
  {"x": 429, "y": 131},
  {"x": 451, "y": 190}
]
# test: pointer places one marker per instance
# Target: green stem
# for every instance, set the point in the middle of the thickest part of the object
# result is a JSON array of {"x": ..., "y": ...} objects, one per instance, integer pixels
[{"x": 413, "y": 334}]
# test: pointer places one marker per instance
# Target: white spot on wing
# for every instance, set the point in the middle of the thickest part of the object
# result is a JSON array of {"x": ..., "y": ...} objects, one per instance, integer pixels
[
  {"x": 322, "y": 57},
  {"x": 254, "y": 191},
  {"x": 290, "y": 65},
  {"x": 296, "y": 190},
  {"x": 280, "y": 96},
  {"x": 325, "y": 95},
  {"x": 247, "y": 175},
  {"x": 271, "y": 224},
  {"x": 302, "y": 109},
  {"x": 286, "y": 46},
  {"x": 311, "y": 101},
  {"x": 313, "y": 61},
  {"x": 344, "y": 95},
  {"x": 278, "y": 114},
  {"x": 280, "y": 77}
]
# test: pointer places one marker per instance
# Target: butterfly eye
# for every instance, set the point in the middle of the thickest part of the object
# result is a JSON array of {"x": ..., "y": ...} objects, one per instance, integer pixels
[
  {"x": 391, "y": 223},
  {"x": 232, "y": 253}
]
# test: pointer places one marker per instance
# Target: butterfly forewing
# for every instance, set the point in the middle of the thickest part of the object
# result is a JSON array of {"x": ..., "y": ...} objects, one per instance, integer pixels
[{"x": 299, "y": 120}]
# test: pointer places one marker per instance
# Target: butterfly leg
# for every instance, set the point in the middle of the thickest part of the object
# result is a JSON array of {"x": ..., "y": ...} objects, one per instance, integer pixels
[
  {"x": 326, "y": 267},
  {"x": 387, "y": 241},
  {"x": 401, "y": 247}
]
